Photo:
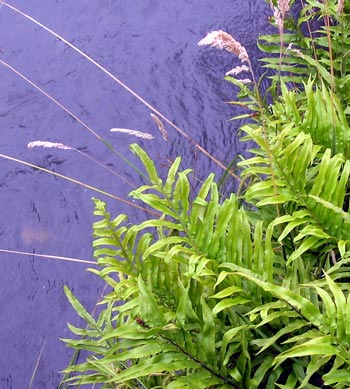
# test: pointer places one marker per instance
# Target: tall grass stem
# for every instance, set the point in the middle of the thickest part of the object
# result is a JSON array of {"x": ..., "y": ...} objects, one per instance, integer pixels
[
  {"x": 36, "y": 366},
  {"x": 60, "y": 258},
  {"x": 80, "y": 183},
  {"x": 62, "y": 146}
]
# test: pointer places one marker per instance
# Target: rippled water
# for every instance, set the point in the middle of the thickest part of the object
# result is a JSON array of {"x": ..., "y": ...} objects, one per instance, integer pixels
[{"x": 151, "y": 45}]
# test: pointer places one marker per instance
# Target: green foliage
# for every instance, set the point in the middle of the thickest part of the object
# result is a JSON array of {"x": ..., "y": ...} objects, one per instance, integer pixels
[
  {"x": 312, "y": 56},
  {"x": 198, "y": 300},
  {"x": 310, "y": 185},
  {"x": 171, "y": 308},
  {"x": 250, "y": 291},
  {"x": 312, "y": 43}
]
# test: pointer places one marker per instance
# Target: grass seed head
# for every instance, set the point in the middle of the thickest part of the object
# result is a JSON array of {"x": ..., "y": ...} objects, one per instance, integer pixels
[
  {"x": 39, "y": 143},
  {"x": 340, "y": 7},
  {"x": 224, "y": 41}
]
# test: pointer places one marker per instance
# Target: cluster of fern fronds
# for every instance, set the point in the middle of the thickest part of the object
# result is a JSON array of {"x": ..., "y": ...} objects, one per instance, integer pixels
[{"x": 251, "y": 291}]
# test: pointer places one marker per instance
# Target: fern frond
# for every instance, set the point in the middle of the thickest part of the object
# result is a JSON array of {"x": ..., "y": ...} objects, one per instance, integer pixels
[
  {"x": 326, "y": 342},
  {"x": 165, "y": 286},
  {"x": 313, "y": 191}
]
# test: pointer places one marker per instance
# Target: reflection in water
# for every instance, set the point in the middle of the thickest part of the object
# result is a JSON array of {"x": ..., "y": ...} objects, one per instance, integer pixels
[{"x": 33, "y": 235}]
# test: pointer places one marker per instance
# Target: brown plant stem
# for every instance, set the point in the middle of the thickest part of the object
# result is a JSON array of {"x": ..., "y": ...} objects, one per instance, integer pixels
[{"x": 81, "y": 184}]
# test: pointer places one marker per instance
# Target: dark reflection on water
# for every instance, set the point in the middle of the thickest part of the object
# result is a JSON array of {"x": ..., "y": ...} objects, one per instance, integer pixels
[{"x": 152, "y": 46}]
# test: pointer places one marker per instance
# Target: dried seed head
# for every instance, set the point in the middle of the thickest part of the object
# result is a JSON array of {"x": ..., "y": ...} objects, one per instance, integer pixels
[
  {"x": 224, "y": 41},
  {"x": 283, "y": 6},
  {"x": 237, "y": 70},
  {"x": 245, "y": 81},
  {"x": 139, "y": 134},
  {"x": 340, "y": 7},
  {"x": 296, "y": 51},
  {"x": 160, "y": 126},
  {"x": 278, "y": 18},
  {"x": 279, "y": 12},
  {"x": 39, "y": 143}
]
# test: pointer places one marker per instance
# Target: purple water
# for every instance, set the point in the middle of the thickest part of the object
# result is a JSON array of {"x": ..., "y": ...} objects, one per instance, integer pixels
[{"x": 151, "y": 45}]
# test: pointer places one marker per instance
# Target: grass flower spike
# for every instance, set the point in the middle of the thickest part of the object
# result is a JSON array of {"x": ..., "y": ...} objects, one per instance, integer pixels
[
  {"x": 280, "y": 12},
  {"x": 224, "y": 41},
  {"x": 39, "y": 143},
  {"x": 340, "y": 7},
  {"x": 238, "y": 70},
  {"x": 46, "y": 144},
  {"x": 160, "y": 126},
  {"x": 138, "y": 134},
  {"x": 283, "y": 6}
]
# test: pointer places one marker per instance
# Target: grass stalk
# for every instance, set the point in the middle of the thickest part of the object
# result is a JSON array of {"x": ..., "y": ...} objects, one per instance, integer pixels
[
  {"x": 65, "y": 147},
  {"x": 93, "y": 188},
  {"x": 36, "y": 366},
  {"x": 57, "y": 257},
  {"x": 104, "y": 167}
]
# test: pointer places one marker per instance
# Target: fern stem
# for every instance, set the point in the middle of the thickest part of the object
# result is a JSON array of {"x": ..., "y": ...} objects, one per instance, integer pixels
[
  {"x": 202, "y": 364},
  {"x": 264, "y": 130},
  {"x": 263, "y": 119}
]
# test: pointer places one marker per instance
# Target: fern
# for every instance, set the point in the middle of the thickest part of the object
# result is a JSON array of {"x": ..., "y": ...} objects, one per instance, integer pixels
[
  {"x": 325, "y": 338},
  {"x": 305, "y": 178},
  {"x": 169, "y": 308},
  {"x": 197, "y": 299}
]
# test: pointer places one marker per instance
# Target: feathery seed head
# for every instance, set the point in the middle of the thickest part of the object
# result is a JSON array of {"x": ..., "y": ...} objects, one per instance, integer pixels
[
  {"x": 340, "y": 7},
  {"x": 283, "y": 6},
  {"x": 160, "y": 126},
  {"x": 139, "y": 134},
  {"x": 39, "y": 143},
  {"x": 224, "y": 41},
  {"x": 237, "y": 70},
  {"x": 245, "y": 81},
  {"x": 278, "y": 18},
  {"x": 297, "y": 51},
  {"x": 279, "y": 12}
]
